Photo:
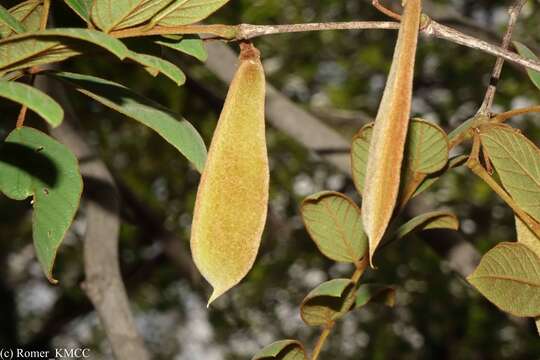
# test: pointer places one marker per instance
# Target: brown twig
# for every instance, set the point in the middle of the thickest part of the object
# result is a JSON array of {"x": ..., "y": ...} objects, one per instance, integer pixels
[
  {"x": 377, "y": 5},
  {"x": 513, "y": 12},
  {"x": 361, "y": 266}
]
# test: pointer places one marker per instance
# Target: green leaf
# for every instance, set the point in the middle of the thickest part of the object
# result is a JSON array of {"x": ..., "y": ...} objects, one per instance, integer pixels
[
  {"x": 282, "y": 350},
  {"x": 9, "y": 20},
  {"x": 81, "y": 7},
  {"x": 430, "y": 220},
  {"x": 171, "y": 127},
  {"x": 526, "y": 237},
  {"x": 193, "y": 47},
  {"x": 34, "y": 164},
  {"x": 426, "y": 151},
  {"x": 28, "y": 13},
  {"x": 328, "y": 302},
  {"x": 185, "y": 12},
  {"x": 509, "y": 277},
  {"x": 333, "y": 221},
  {"x": 22, "y": 50},
  {"x": 156, "y": 65},
  {"x": 527, "y": 53},
  {"x": 453, "y": 163},
  {"x": 111, "y": 15},
  {"x": 375, "y": 293},
  {"x": 517, "y": 161},
  {"x": 35, "y": 100}
]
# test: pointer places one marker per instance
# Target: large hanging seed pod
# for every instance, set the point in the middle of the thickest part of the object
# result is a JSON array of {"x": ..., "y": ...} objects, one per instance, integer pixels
[
  {"x": 390, "y": 131},
  {"x": 232, "y": 199}
]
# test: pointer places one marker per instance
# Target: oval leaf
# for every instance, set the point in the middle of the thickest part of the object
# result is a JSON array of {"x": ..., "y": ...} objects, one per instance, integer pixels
[
  {"x": 430, "y": 220},
  {"x": 37, "y": 101},
  {"x": 34, "y": 164},
  {"x": 185, "y": 12},
  {"x": 517, "y": 161},
  {"x": 171, "y": 127},
  {"x": 28, "y": 13},
  {"x": 426, "y": 151},
  {"x": 509, "y": 277},
  {"x": 328, "y": 302},
  {"x": 528, "y": 54},
  {"x": 375, "y": 293},
  {"x": 282, "y": 350},
  {"x": 111, "y": 15},
  {"x": 334, "y": 223}
]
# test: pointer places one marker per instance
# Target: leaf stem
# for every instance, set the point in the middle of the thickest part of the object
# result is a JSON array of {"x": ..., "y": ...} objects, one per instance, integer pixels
[
  {"x": 474, "y": 164},
  {"x": 361, "y": 266},
  {"x": 322, "y": 340},
  {"x": 514, "y": 12},
  {"x": 502, "y": 117}
]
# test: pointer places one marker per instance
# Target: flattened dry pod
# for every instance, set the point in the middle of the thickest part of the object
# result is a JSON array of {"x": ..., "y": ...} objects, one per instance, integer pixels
[{"x": 232, "y": 199}]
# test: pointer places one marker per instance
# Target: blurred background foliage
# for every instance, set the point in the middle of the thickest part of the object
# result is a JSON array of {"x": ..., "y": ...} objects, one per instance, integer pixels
[{"x": 339, "y": 77}]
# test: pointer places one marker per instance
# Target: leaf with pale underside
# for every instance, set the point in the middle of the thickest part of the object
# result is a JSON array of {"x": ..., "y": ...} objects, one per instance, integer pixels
[
  {"x": 7, "y": 19},
  {"x": 509, "y": 277},
  {"x": 81, "y": 8},
  {"x": 387, "y": 147},
  {"x": 185, "y": 12},
  {"x": 28, "y": 49},
  {"x": 517, "y": 162},
  {"x": 427, "y": 221},
  {"x": 155, "y": 65},
  {"x": 335, "y": 225},
  {"x": 111, "y": 15},
  {"x": 527, "y": 53},
  {"x": 171, "y": 127},
  {"x": 426, "y": 151},
  {"x": 189, "y": 46},
  {"x": 37, "y": 101},
  {"x": 282, "y": 350},
  {"x": 375, "y": 293},
  {"x": 328, "y": 302},
  {"x": 526, "y": 236},
  {"x": 34, "y": 164},
  {"x": 431, "y": 179}
]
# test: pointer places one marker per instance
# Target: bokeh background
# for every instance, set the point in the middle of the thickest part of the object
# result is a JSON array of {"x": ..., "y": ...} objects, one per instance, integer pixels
[{"x": 338, "y": 77}]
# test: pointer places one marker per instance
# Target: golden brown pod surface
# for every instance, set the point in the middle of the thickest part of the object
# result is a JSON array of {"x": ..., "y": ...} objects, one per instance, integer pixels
[{"x": 232, "y": 199}]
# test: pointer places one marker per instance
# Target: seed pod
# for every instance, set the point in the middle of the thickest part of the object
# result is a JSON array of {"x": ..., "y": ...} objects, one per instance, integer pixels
[
  {"x": 390, "y": 131},
  {"x": 232, "y": 199}
]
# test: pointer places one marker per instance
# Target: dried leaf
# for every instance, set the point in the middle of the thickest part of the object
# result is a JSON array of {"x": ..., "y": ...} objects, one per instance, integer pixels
[
  {"x": 232, "y": 199},
  {"x": 390, "y": 132}
]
